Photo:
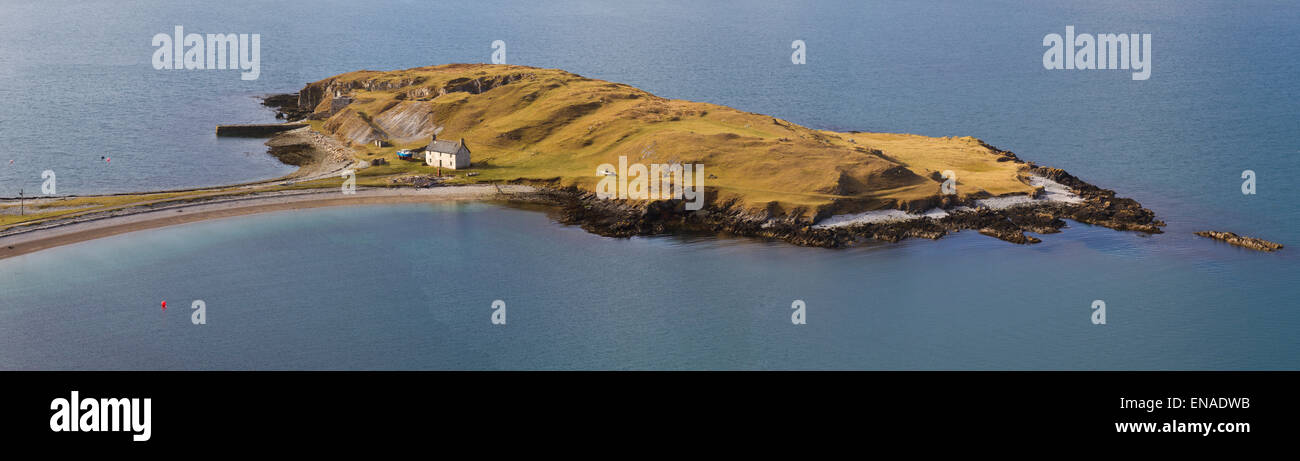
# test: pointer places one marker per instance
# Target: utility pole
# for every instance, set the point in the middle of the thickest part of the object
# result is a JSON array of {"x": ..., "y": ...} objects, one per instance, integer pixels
[{"x": 21, "y": 211}]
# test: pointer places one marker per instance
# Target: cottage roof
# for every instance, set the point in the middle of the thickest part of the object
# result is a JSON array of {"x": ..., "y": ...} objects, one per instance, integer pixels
[{"x": 445, "y": 147}]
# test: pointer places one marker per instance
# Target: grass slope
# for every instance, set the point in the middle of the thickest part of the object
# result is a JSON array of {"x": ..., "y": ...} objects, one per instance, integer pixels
[{"x": 532, "y": 124}]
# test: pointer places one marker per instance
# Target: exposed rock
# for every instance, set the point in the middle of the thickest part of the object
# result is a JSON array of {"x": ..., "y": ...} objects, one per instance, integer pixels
[
  {"x": 290, "y": 151},
  {"x": 1241, "y": 241},
  {"x": 401, "y": 121},
  {"x": 315, "y": 154},
  {"x": 625, "y": 218},
  {"x": 1101, "y": 207},
  {"x": 420, "y": 181},
  {"x": 1010, "y": 235},
  {"x": 286, "y": 106}
]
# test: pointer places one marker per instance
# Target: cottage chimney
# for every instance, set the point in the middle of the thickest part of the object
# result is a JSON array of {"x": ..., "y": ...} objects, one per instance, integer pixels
[{"x": 433, "y": 138}]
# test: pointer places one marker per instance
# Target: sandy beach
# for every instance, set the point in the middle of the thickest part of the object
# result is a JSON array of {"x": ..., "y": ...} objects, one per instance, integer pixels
[{"x": 28, "y": 239}]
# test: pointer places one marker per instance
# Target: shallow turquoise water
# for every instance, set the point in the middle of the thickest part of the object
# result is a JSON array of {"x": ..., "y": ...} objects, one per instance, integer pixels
[{"x": 1221, "y": 99}]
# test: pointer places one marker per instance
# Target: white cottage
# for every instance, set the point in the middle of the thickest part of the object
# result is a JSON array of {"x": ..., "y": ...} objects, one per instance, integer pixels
[{"x": 446, "y": 154}]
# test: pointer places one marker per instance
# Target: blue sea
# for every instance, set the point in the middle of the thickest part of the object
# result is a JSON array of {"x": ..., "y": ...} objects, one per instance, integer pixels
[{"x": 412, "y": 286}]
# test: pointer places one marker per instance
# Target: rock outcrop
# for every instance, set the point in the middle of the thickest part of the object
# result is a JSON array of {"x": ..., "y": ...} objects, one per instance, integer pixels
[
  {"x": 286, "y": 107},
  {"x": 1241, "y": 241},
  {"x": 625, "y": 218}
]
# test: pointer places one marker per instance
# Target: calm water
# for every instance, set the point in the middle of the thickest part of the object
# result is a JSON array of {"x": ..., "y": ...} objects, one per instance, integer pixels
[
  {"x": 410, "y": 287},
  {"x": 321, "y": 289}
]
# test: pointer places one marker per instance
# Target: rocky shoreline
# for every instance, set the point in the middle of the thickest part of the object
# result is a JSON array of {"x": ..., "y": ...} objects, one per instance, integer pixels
[
  {"x": 286, "y": 107},
  {"x": 623, "y": 218}
]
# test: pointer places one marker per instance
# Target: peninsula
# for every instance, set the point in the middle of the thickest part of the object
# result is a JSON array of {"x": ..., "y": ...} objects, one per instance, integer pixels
[{"x": 542, "y": 134}]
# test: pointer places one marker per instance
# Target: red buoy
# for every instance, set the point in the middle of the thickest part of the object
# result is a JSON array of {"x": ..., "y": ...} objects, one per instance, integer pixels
[{"x": 164, "y": 305}]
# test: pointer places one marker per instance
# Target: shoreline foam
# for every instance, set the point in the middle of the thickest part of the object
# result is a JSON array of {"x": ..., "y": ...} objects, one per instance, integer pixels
[{"x": 1053, "y": 192}]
